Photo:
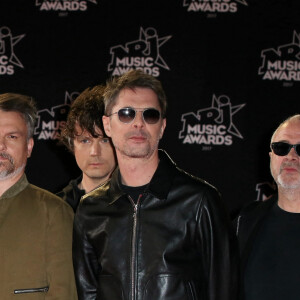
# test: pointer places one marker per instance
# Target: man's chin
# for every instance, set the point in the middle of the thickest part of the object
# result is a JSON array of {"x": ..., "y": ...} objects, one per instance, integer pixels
[
  {"x": 288, "y": 183},
  {"x": 138, "y": 152},
  {"x": 94, "y": 175},
  {"x": 10, "y": 173}
]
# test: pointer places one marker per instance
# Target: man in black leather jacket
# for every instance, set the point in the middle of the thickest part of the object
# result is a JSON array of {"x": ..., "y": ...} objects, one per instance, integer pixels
[{"x": 153, "y": 232}]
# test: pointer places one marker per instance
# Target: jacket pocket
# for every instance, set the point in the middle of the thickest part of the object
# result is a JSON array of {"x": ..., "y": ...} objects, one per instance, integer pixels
[
  {"x": 169, "y": 287},
  {"x": 32, "y": 290},
  {"x": 109, "y": 288}
]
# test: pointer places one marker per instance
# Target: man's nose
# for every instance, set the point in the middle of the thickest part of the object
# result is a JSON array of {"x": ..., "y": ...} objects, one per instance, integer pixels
[
  {"x": 138, "y": 121},
  {"x": 292, "y": 154},
  {"x": 2, "y": 143},
  {"x": 95, "y": 148}
]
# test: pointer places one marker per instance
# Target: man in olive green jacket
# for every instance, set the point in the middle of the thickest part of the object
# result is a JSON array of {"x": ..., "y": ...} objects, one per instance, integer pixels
[{"x": 35, "y": 225}]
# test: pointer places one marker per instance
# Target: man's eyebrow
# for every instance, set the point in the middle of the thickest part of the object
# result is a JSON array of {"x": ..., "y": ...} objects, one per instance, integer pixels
[{"x": 14, "y": 132}]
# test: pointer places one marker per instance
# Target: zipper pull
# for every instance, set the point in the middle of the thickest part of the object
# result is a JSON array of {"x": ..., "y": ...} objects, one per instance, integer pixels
[{"x": 134, "y": 210}]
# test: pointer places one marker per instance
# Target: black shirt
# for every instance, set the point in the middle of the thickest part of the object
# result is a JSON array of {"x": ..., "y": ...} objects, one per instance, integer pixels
[
  {"x": 273, "y": 268},
  {"x": 134, "y": 191}
]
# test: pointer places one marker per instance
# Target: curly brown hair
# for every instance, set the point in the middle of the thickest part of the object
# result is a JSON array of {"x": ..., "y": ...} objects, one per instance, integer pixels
[{"x": 86, "y": 111}]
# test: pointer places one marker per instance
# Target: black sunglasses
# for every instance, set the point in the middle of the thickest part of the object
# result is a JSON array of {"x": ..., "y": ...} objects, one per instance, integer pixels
[
  {"x": 282, "y": 148},
  {"x": 127, "y": 114}
]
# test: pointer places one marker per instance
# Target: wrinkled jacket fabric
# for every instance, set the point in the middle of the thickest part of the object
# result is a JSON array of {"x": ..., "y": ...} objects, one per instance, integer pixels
[
  {"x": 35, "y": 245},
  {"x": 177, "y": 244}
]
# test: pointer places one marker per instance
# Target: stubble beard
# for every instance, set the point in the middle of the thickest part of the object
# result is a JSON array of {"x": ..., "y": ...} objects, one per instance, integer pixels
[
  {"x": 131, "y": 151},
  {"x": 287, "y": 185},
  {"x": 9, "y": 170},
  {"x": 283, "y": 182}
]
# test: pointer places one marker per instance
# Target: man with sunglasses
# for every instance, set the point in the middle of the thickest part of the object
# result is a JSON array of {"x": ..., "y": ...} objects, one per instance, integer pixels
[
  {"x": 153, "y": 231},
  {"x": 269, "y": 231}
]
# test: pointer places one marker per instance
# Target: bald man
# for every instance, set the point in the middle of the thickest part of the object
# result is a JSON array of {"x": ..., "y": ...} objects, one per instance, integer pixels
[{"x": 269, "y": 231}]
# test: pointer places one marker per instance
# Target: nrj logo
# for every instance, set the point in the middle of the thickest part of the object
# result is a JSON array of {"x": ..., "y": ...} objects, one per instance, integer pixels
[
  {"x": 211, "y": 126},
  {"x": 8, "y": 59},
  {"x": 213, "y": 6},
  {"x": 51, "y": 122},
  {"x": 63, "y": 5},
  {"x": 142, "y": 54},
  {"x": 265, "y": 190},
  {"x": 282, "y": 63}
]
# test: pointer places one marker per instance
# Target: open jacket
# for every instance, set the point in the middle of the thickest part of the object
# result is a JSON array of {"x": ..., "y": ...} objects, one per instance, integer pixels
[
  {"x": 247, "y": 225},
  {"x": 175, "y": 244}
]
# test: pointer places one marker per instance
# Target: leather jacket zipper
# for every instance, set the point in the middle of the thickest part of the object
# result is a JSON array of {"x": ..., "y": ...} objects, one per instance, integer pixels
[
  {"x": 133, "y": 246},
  {"x": 34, "y": 290}
]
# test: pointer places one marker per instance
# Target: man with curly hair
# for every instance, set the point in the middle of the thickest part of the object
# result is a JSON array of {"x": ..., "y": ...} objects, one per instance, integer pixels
[{"x": 85, "y": 138}]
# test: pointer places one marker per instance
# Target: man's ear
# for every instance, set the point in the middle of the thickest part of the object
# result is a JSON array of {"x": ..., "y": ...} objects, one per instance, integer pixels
[
  {"x": 106, "y": 125},
  {"x": 163, "y": 127},
  {"x": 30, "y": 144}
]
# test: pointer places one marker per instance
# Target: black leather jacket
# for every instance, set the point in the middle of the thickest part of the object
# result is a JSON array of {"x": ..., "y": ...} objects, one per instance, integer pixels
[{"x": 175, "y": 244}]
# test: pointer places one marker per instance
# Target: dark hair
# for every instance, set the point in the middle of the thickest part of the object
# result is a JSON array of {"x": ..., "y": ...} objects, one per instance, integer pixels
[
  {"x": 131, "y": 80},
  {"x": 22, "y": 104},
  {"x": 86, "y": 111}
]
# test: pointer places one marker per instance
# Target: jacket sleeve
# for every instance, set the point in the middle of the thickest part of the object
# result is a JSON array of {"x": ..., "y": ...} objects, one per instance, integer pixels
[
  {"x": 59, "y": 264},
  {"x": 218, "y": 246},
  {"x": 85, "y": 261}
]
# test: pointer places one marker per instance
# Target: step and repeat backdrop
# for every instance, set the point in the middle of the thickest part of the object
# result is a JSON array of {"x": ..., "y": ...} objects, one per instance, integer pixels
[{"x": 230, "y": 69}]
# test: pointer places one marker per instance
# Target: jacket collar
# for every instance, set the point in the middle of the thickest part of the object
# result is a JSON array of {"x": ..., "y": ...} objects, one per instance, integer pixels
[
  {"x": 160, "y": 184},
  {"x": 18, "y": 187}
]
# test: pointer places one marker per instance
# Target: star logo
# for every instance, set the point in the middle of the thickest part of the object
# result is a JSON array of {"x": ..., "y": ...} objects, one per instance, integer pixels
[
  {"x": 143, "y": 52},
  {"x": 211, "y": 125},
  {"x": 51, "y": 121},
  {"x": 7, "y": 43}
]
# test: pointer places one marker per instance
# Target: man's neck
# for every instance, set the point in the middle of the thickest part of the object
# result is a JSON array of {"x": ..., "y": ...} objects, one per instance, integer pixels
[
  {"x": 137, "y": 171},
  {"x": 88, "y": 184},
  {"x": 5, "y": 184},
  {"x": 289, "y": 200}
]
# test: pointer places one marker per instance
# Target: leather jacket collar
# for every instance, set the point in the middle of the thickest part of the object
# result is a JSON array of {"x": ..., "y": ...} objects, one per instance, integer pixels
[{"x": 159, "y": 185}]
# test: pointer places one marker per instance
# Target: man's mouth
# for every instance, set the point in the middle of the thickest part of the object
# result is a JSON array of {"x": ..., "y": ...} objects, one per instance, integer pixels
[
  {"x": 138, "y": 138},
  {"x": 290, "y": 168},
  {"x": 5, "y": 157}
]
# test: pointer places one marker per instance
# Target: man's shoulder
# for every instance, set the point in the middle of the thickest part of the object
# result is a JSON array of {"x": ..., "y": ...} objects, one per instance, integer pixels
[
  {"x": 252, "y": 214},
  {"x": 194, "y": 182},
  {"x": 255, "y": 207},
  {"x": 69, "y": 188},
  {"x": 181, "y": 177},
  {"x": 98, "y": 192},
  {"x": 39, "y": 194}
]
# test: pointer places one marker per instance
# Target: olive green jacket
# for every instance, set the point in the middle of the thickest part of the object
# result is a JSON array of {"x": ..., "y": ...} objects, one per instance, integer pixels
[{"x": 35, "y": 245}]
